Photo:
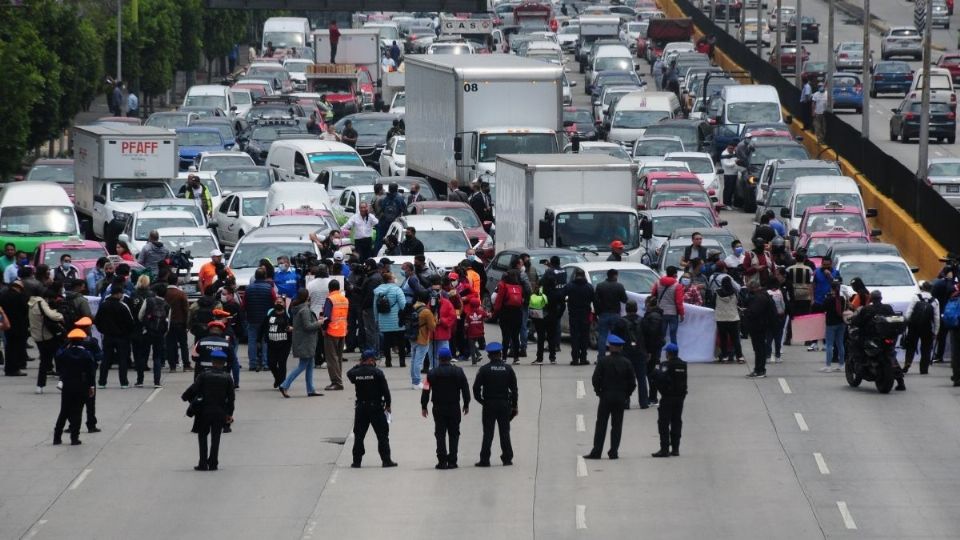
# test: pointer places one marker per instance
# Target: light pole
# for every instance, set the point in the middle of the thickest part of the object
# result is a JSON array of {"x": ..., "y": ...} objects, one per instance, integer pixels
[
  {"x": 799, "y": 31},
  {"x": 831, "y": 67},
  {"x": 776, "y": 46},
  {"x": 726, "y": 17},
  {"x": 760, "y": 29},
  {"x": 865, "y": 116},
  {"x": 119, "y": 40},
  {"x": 924, "y": 104}
]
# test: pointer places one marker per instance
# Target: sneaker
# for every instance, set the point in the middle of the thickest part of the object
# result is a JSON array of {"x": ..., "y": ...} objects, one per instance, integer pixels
[
  {"x": 158, "y": 386},
  {"x": 824, "y": 369},
  {"x": 813, "y": 348},
  {"x": 124, "y": 386},
  {"x": 837, "y": 369},
  {"x": 101, "y": 386},
  {"x": 138, "y": 385},
  {"x": 39, "y": 390},
  {"x": 777, "y": 360},
  {"x": 416, "y": 387},
  {"x": 60, "y": 384},
  {"x": 755, "y": 375}
]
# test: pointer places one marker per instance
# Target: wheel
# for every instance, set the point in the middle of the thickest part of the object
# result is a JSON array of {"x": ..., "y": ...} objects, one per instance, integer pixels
[
  {"x": 893, "y": 135},
  {"x": 873, "y": 93},
  {"x": 884, "y": 380},
  {"x": 816, "y": 39},
  {"x": 853, "y": 379},
  {"x": 750, "y": 207},
  {"x": 951, "y": 139},
  {"x": 903, "y": 136},
  {"x": 859, "y": 110},
  {"x": 883, "y": 56}
]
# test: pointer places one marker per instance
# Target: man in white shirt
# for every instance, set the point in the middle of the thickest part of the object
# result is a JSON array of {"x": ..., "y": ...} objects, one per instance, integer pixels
[
  {"x": 728, "y": 160},
  {"x": 331, "y": 133},
  {"x": 806, "y": 103},
  {"x": 318, "y": 289},
  {"x": 819, "y": 109},
  {"x": 362, "y": 224}
]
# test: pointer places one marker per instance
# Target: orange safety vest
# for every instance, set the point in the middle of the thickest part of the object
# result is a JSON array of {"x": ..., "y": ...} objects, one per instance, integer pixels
[
  {"x": 337, "y": 326},
  {"x": 474, "y": 278}
]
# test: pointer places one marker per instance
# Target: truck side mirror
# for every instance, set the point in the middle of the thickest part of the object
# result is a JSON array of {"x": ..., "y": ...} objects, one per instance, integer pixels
[
  {"x": 546, "y": 230},
  {"x": 785, "y": 212},
  {"x": 100, "y": 199},
  {"x": 458, "y": 148},
  {"x": 646, "y": 229}
]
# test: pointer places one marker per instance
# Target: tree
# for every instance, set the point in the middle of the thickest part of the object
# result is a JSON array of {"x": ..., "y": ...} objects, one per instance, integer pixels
[
  {"x": 191, "y": 42},
  {"x": 222, "y": 29},
  {"x": 22, "y": 85},
  {"x": 159, "y": 35}
]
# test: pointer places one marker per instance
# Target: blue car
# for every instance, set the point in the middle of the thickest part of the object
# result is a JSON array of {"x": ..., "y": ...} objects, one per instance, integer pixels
[
  {"x": 891, "y": 76},
  {"x": 193, "y": 140},
  {"x": 847, "y": 91}
]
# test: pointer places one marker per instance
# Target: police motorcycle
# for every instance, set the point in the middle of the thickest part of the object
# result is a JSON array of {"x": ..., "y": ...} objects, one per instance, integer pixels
[{"x": 871, "y": 351}]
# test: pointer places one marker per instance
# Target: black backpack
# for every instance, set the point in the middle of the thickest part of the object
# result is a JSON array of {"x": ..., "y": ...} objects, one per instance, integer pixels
[
  {"x": 384, "y": 305},
  {"x": 156, "y": 318},
  {"x": 412, "y": 326},
  {"x": 68, "y": 309},
  {"x": 922, "y": 315}
]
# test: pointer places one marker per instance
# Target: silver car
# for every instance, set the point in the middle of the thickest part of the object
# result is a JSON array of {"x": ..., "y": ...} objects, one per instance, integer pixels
[
  {"x": 901, "y": 41},
  {"x": 848, "y": 56},
  {"x": 944, "y": 175},
  {"x": 941, "y": 14}
]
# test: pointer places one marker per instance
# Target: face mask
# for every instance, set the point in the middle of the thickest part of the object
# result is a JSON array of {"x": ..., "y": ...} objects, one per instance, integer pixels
[
  {"x": 453, "y": 284},
  {"x": 685, "y": 282},
  {"x": 284, "y": 267},
  {"x": 471, "y": 258},
  {"x": 24, "y": 262},
  {"x": 738, "y": 251}
]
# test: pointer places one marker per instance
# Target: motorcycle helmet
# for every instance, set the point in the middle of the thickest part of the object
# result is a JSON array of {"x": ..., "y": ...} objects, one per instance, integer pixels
[
  {"x": 759, "y": 242},
  {"x": 778, "y": 245}
]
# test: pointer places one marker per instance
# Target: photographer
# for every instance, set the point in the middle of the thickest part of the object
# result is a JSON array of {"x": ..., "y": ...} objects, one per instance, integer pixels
[
  {"x": 152, "y": 254},
  {"x": 209, "y": 271}
]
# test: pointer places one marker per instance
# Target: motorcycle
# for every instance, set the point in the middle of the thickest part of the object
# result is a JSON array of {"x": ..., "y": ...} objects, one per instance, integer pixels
[{"x": 872, "y": 357}]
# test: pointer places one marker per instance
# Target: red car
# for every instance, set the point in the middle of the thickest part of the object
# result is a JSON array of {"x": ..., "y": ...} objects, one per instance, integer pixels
[
  {"x": 834, "y": 215},
  {"x": 669, "y": 192},
  {"x": 462, "y": 212},
  {"x": 83, "y": 254},
  {"x": 705, "y": 207},
  {"x": 53, "y": 170},
  {"x": 951, "y": 63},
  {"x": 650, "y": 180},
  {"x": 817, "y": 244},
  {"x": 787, "y": 59}
]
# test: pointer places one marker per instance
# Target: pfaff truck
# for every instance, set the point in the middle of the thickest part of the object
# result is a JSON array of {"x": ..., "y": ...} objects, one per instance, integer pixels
[{"x": 464, "y": 110}]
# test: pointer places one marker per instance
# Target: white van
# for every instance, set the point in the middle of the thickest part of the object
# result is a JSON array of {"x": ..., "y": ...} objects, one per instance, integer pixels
[
  {"x": 301, "y": 160},
  {"x": 286, "y": 33},
  {"x": 629, "y": 117},
  {"x": 295, "y": 195},
  {"x": 209, "y": 95},
  {"x": 811, "y": 191},
  {"x": 35, "y": 211},
  {"x": 749, "y": 103}
]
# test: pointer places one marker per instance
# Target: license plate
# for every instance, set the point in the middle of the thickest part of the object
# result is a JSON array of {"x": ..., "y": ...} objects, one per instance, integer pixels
[
  {"x": 953, "y": 189},
  {"x": 189, "y": 288}
]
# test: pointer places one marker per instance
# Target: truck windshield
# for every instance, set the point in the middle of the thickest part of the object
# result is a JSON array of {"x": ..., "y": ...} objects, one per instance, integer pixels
[
  {"x": 206, "y": 101},
  {"x": 747, "y": 113},
  {"x": 38, "y": 220},
  {"x": 637, "y": 119},
  {"x": 215, "y": 163},
  {"x": 593, "y": 231},
  {"x": 515, "y": 143},
  {"x": 138, "y": 192},
  {"x": 283, "y": 39},
  {"x": 330, "y": 86}
]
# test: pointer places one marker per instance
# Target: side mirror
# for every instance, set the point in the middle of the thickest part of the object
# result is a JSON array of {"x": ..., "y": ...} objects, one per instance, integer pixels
[
  {"x": 232, "y": 214},
  {"x": 914, "y": 269},
  {"x": 100, "y": 199},
  {"x": 875, "y": 233},
  {"x": 386, "y": 152},
  {"x": 545, "y": 230},
  {"x": 458, "y": 148},
  {"x": 785, "y": 212},
  {"x": 871, "y": 212},
  {"x": 212, "y": 224}
]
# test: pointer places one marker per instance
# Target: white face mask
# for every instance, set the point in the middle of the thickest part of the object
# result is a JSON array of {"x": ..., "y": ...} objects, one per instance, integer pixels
[{"x": 284, "y": 267}]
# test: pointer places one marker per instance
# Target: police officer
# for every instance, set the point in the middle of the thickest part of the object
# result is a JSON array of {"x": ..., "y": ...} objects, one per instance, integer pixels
[
  {"x": 212, "y": 398},
  {"x": 372, "y": 408},
  {"x": 448, "y": 383},
  {"x": 77, "y": 373},
  {"x": 613, "y": 382},
  {"x": 495, "y": 388},
  {"x": 215, "y": 341},
  {"x": 671, "y": 380},
  {"x": 91, "y": 344}
]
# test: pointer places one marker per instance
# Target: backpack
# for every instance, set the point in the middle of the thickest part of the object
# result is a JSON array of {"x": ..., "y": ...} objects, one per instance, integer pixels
[
  {"x": 951, "y": 314},
  {"x": 412, "y": 327},
  {"x": 390, "y": 209},
  {"x": 538, "y": 301},
  {"x": 922, "y": 314},
  {"x": 136, "y": 302},
  {"x": 57, "y": 329},
  {"x": 513, "y": 295},
  {"x": 70, "y": 314},
  {"x": 384, "y": 305},
  {"x": 156, "y": 318},
  {"x": 710, "y": 294}
]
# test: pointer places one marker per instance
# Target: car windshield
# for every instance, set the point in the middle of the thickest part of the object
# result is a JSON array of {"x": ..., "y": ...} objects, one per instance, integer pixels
[
  {"x": 818, "y": 247},
  {"x": 345, "y": 179},
  {"x": 319, "y": 160},
  {"x": 939, "y": 108},
  {"x": 296, "y": 67},
  {"x": 449, "y": 48},
  {"x": 779, "y": 197},
  {"x": 687, "y": 134},
  {"x": 226, "y": 130},
  {"x": 657, "y": 147},
  {"x": 494, "y": 144},
  {"x": 51, "y": 256},
  {"x": 443, "y": 241},
  {"x": 190, "y": 207},
  {"x": 815, "y": 66},
  {"x": 697, "y": 165},
  {"x": 283, "y": 40},
  {"x": 637, "y": 119},
  {"x": 851, "y": 47},
  {"x": 167, "y": 121},
  {"x": 647, "y": 169},
  {"x": 635, "y": 281},
  {"x": 143, "y": 227},
  {"x": 197, "y": 245},
  {"x": 219, "y": 102},
  {"x": 845, "y": 81},
  {"x": 694, "y": 196},
  {"x": 878, "y": 274},
  {"x": 786, "y": 174},
  {"x": 331, "y": 86},
  {"x": 761, "y": 154},
  {"x": 819, "y": 199},
  {"x": 215, "y": 163},
  {"x": 371, "y": 126},
  {"x": 466, "y": 216},
  {"x": 241, "y": 98},
  {"x": 254, "y": 206},
  {"x": 138, "y": 192},
  {"x": 617, "y": 78},
  {"x": 613, "y": 64},
  {"x": 62, "y": 174},
  {"x": 944, "y": 169},
  {"x": 199, "y": 138},
  {"x": 244, "y": 179},
  {"x": 746, "y": 113},
  {"x": 938, "y": 81},
  {"x": 579, "y": 116},
  {"x": 593, "y": 231},
  {"x": 828, "y": 222},
  {"x": 38, "y": 220},
  {"x": 248, "y": 254}
]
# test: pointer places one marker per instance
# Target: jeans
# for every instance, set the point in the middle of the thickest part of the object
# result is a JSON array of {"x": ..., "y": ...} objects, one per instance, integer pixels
[
  {"x": 48, "y": 350},
  {"x": 639, "y": 361},
  {"x": 256, "y": 350},
  {"x": 306, "y": 364},
  {"x": 435, "y": 347},
  {"x": 604, "y": 324},
  {"x": 835, "y": 339},
  {"x": 371, "y": 335},
  {"x": 176, "y": 341},
  {"x": 417, "y": 355},
  {"x": 670, "y": 325},
  {"x": 775, "y": 338}
]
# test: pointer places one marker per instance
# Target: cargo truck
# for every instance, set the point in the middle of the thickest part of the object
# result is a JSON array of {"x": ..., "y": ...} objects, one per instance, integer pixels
[
  {"x": 574, "y": 201},
  {"x": 464, "y": 110},
  {"x": 117, "y": 168},
  {"x": 359, "y": 47},
  {"x": 592, "y": 28}
]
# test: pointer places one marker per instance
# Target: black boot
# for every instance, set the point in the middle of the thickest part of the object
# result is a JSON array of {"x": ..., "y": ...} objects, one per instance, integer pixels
[
  {"x": 662, "y": 453},
  {"x": 676, "y": 450},
  {"x": 900, "y": 386},
  {"x": 57, "y": 438}
]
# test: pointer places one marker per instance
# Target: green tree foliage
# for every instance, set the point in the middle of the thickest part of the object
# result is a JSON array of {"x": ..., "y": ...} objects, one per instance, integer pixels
[
  {"x": 222, "y": 29},
  {"x": 159, "y": 34},
  {"x": 22, "y": 85},
  {"x": 191, "y": 34}
]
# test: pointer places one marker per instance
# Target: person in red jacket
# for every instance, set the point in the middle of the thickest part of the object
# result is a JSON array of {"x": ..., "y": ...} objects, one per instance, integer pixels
[
  {"x": 446, "y": 320},
  {"x": 669, "y": 294},
  {"x": 509, "y": 306},
  {"x": 334, "y": 40},
  {"x": 474, "y": 317}
]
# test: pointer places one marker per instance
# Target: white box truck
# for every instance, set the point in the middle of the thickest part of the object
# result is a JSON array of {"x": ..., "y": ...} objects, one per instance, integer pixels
[
  {"x": 573, "y": 201},
  {"x": 360, "y": 47},
  {"x": 592, "y": 28},
  {"x": 118, "y": 168},
  {"x": 464, "y": 110}
]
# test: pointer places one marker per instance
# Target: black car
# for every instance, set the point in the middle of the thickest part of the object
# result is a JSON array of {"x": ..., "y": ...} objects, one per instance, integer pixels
[
  {"x": 697, "y": 135},
  {"x": 257, "y": 137},
  {"x": 758, "y": 152},
  {"x": 905, "y": 122},
  {"x": 372, "y": 128},
  {"x": 578, "y": 122},
  {"x": 613, "y": 77},
  {"x": 538, "y": 258},
  {"x": 809, "y": 29}
]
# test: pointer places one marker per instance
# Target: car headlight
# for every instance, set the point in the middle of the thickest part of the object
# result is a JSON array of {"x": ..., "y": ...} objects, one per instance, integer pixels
[{"x": 120, "y": 216}]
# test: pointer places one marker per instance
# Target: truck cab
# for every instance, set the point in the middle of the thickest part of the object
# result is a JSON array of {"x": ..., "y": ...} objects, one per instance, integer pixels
[
  {"x": 479, "y": 150},
  {"x": 341, "y": 84},
  {"x": 589, "y": 229}
]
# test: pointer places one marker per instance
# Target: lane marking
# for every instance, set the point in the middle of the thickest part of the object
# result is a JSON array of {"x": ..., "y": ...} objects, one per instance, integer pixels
[
  {"x": 35, "y": 529},
  {"x": 581, "y": 391},
  {"x": 784, "y": 386},
  {"x": 581, "y": 426},
  {"x": 845, "y": 514},
  {"x": 123, "y": 430},
  {"x": 83, "y": 476},
  {"x": 801, "y": 422},
  {"x": 581, "y": 516},
  {"x": 153, "y": 394},
  {"x": 821, "y": 464},
  {"x": 333, "y": 477},
  {"x": 581, "y": 467},
  {"x": 937, "y": 152}
]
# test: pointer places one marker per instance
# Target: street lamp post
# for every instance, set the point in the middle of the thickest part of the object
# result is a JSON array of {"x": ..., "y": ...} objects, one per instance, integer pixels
[
  {"x": 776, "y": 46},
  {"x": 119, "y": 40},
  {"x": 867, "y": 82},
  {"x": 924, "y": 104},
  {"x": 759, "y": 28},
  {"x": 799, "y": 32},
  {"x": 831, "y": 64}
]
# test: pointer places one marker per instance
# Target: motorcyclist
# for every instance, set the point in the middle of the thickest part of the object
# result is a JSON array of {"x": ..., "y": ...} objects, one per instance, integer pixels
[{"x": 864, "y": 319}]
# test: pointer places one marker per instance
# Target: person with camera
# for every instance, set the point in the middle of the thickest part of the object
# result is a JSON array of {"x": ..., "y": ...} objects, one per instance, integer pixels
[
  {"x": 152, "y": 254},
  {"x": 212, "y": 399},
  {"x": 210, "y": 271},
  {"x": 864, "y": 320}
]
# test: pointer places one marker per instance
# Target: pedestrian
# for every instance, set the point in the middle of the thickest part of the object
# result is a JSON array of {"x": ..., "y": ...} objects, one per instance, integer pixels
[
  {"x": 630, "y": 327},
  {"x": 414, "y": 196},
  {"x": 47, "y": 331},
  {"x": 66, "y": 270},
  {"x": 390, "y": 301},
  {"x": 819, "y": 100},
  {"x": 616, "y": 251},
  {"x": 306, "y": 329},
  {"x": 153, "y": 323},
  {"x": 480, "y": 200},
  {"x": 834, "y": 305},
  {"x": 454, "y": 193},
  {"x": 806, "y": 102},
  {"x": 420, "y": 326},
  {"x": 508, "y": 308},
  {"x": 372, "y": 280},
  {"x": 348, "y": 135},
  {"x": 115, "y": 321},
  {"x": 823, "y": 278},
  {"x": 334, "y": 40},
  {"x": 553, "y": 281},
  {"x": 276, "y": 330},
  {"x": 759, "y": 316},
  {"x": 232, "y": 57},
  {"x": 923, "y": 323},
  {"x": 77, "y": 373},
  {"x": 669, "y": 294},
  {"x": 208, "y": 272},
  {"x": 196, "y": 190},
  {"x": 758, "y": 265},
  {"x": 14, "y": 305},
  {"x": 495, "y": 389},
  {"x": 372, "y": 408},
  {"x": 259, "y": 298},
  {"x": 613, "y": 382},
  {"x": 411, "y": 285},
  {"x": 610, "y": 293},
  {"x": 212, "y": 400},
  {"x": 537, "y": 309},
  {"x": 9, "y": 256},
  {"x": 446, "y": 316},
  {"x": 652, "y": 327},
  {"x": 672, "y": 382},
  {"x": 318, "y": 288},
  {"x": 448, "y": 384},
  {"x": 727, "y": 315},
  {"x": 176, "y": 338},
  {"x": 411, "y": 245},
  {"x": 116, "y": 100},
  {"x": 331, "y": 133},
  {"x": 474, "y": 328},
  {"x": 579, "y": 297},
  {"x": 336, "y": 310},
  {"x": 285, "y": 278},
  {"x": 798, "y": 281},
  {"x": 133, "y": 104},
  {"x": 153, "y": 253},
  {"x": 728, "y": 161},
  {"x": 91, "y": 344},
  {"x": 775, "y": 338},
  {"x": 362, "y": 225},
  {"x": 395, "y": 53}
]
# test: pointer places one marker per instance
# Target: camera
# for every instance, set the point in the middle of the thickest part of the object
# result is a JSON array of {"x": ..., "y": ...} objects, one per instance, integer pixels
[
  {"x": 181, "y": 260},
  {"x": 303, "y": 261}
]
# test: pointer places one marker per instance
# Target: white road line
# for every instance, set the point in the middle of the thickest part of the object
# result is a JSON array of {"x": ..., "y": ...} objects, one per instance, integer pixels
[
  {"x": 821, "y": 464},
  {"x": 784, "y": 386},
  {"x": 581, "y": 426},
  {"x": 33, "y": 532},
  {"x": 937, "y": 152},
  {"x": 83, "y": 476},
  {"x": 333, "y": 477},
  {"x": 123, "y": 430},
  {"x": 581, "y": 391},
  {"x": 153, "y": 394},
  {"x": 845, "y": 514},
  {"x": 581, "y": 516},
  {"x": 581, "y": 467},
  {"x": 801, "y": 422}
]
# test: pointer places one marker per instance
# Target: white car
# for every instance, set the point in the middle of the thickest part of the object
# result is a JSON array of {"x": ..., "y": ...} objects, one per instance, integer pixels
[
  {"x": 443, "y": 237},
  {"x": 636, "y": 30},
  {"x": 393, "y": 158},
  {"x": 336, "y": 179},
  {"x": 567, "y": 86},
  {"x": 749, "y": 29},
  {"x": 889, "y": 274},
  {"x": 214, "y": 161},
  {"x": 184, "y": 205},
  {"x": 600, "y": 147},
  {"x": 780, "y": 19},
  {"x": 350, "y": 198},
  {"x": 138, "y": 227},
  {"x": 268, "y": 243},
  {"x": 297, "y": 68},
  {"x": 199, "y": 242},
  {"x": 701, "y": 164},
  {"x": 398, "y": 105},
  {"x": 242, "y": 100},
  {"x": 660, "y": 165},
  {"x": 239, "y": 213}
]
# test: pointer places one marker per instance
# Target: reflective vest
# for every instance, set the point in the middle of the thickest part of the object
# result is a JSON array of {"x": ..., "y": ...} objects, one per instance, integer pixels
[{"x": 337, "y": 326}]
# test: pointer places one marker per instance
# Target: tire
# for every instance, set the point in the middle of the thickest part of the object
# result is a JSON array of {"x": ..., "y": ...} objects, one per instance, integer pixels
[
  {"x": 750, "y": 207},
  {"x": 951, "y": 139},
  {"x": 816, "y": 39},
  {"x": 859, "y": 110},
  {"x": 893, "y": 135},
  {"x": 884, "y": 382},
  {"x": 903, "y": 136},
  {"x": 873, "y": 93},
  {"x": 853, "y": 379}
]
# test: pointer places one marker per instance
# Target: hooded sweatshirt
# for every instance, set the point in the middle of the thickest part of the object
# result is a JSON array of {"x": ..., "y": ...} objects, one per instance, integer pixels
[{"x": 669, "y": 294}]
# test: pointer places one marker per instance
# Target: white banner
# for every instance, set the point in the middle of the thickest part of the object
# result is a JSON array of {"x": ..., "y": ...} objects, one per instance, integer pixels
[{"x": 697, "y": 333}]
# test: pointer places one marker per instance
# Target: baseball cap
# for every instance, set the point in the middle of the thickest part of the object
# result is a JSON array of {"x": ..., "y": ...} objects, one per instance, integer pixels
[
  {"x": 614, "y": 339},
  {"x": 384, "y": 261},
  {"x": 616, "y": 244},
  {"x": 83, "y": 322},
  {"x": 216, "y": 253},
  {"x": 369, "y": 353},
  {"x": 77, "y": 333},
  {"x": 338, "y": 256},
  {"x": 444, "y": 353}
]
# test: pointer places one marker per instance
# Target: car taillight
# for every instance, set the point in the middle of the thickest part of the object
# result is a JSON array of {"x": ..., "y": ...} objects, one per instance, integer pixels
[
  {"x": 951, "y": 116},
  {"x": 910, "y": 76},
  {"x": 844, "y": 55},
  {"x": 878, "y": 77},
  {"x": 858, "y": 88},
  {"x": 909, "y": 116},
  {"x": 953, "y": 98}
]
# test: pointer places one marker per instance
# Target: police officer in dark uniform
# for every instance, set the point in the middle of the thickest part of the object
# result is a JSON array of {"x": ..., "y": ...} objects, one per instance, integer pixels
[
  {"x": 495, "y": 388},
  {"x": 372, "y": 408},
  {"x": 216, "y": 340},
  {"x": 613, "y": 382},
  {"x": 91, "y": 344},
  {"x": 78, "y": 373},
  {"x": 212, "y": 399},
  {"x": 671, "y": 380},
  {"x": 448, "y": 383}
]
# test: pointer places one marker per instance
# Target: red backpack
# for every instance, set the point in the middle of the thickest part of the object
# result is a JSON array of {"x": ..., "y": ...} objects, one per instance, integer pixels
[{"x": 513, "y": 295}]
